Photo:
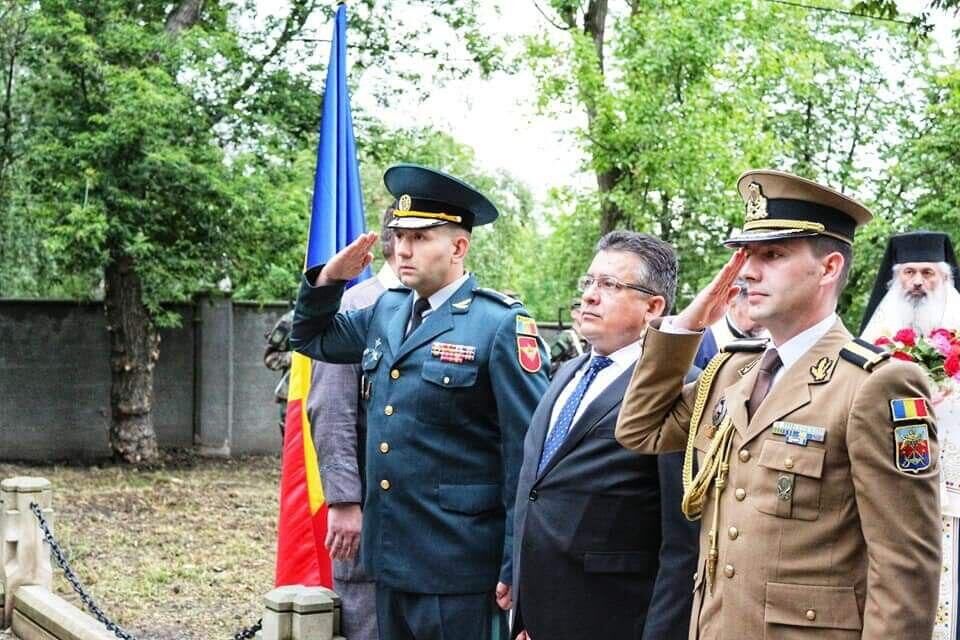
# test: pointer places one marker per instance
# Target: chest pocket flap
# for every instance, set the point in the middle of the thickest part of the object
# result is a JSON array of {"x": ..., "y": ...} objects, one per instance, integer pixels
[
  {"x": 449, "y": 375},
  {"x": 788, "y": 483},
  {"x": 791, "y": 458}
]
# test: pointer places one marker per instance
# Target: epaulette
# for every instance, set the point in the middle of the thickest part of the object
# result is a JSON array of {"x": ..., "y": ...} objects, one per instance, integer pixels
[
  {"x": 493, "y": 294},
  {"x": 863, "y": 354},
  {"x": 746, "y": 345}
]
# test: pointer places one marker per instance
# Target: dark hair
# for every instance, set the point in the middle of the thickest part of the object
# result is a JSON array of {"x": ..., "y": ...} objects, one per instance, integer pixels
[
  {"x": 658, "y": 261},
  {"x": 824, "y": 245},
  {"x": 386, "y": 233}
]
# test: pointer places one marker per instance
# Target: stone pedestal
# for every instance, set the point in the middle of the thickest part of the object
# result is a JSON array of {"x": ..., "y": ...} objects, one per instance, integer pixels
[
  {"x": 24, "y": 558},
  {"x": 301, "y": 613}
]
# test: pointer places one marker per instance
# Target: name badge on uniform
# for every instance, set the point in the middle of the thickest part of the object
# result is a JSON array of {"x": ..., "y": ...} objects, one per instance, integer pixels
[
  {"x": 456, "y": 353},
  {"x": 799, "y": 434}
]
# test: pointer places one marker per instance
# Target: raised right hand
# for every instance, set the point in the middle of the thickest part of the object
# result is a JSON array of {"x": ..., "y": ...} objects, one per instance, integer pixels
[
  {"x": 712, "y": 302},
  {"x": 349, "y": 262}
]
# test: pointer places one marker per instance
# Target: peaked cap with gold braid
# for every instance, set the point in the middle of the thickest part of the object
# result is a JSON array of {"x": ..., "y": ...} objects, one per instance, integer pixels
[
  {"x": 781, "y": 205},
  {"x": 428, "y": 198}
]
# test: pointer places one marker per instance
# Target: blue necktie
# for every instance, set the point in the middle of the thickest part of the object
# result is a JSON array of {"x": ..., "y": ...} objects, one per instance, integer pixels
[{"x": 559, "y": 432}]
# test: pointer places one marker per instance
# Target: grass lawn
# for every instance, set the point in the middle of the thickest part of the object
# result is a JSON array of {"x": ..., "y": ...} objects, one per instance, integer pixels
[{"x": 185, "y": 551}]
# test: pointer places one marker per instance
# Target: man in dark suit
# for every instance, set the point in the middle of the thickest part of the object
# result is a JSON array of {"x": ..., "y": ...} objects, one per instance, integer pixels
[{"x": 601, "y": 549}]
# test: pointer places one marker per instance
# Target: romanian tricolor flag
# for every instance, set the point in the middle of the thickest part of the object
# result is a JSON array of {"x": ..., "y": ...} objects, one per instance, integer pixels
[
  {"x": 903, "y": 409},
  {"x": 336, "y": 220}
]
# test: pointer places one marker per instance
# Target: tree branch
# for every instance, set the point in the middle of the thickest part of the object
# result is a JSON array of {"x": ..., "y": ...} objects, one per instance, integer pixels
[
  {"x": 293, "y": 25},
  {"x": 184, "y": 16}
]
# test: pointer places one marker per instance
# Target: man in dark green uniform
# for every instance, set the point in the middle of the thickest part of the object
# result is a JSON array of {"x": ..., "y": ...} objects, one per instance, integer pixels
[{"x": 451, "y": 376}]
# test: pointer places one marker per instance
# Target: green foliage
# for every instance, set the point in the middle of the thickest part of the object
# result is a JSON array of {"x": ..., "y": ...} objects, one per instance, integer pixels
[{"x": 683, "y": 97}]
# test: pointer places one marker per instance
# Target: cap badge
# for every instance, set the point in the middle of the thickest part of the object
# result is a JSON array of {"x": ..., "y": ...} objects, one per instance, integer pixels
[
  {"x": 756, "y": 202},
  {"x": 404, "y": 203}
]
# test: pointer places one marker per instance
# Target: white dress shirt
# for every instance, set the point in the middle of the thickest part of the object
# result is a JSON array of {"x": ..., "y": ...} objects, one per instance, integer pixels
[
  {"x": 794, "y": 348},
  {"x": 438, "y": 298},
  {"x": 623, "y": 359},
  {"x": 790, "y": 351}
]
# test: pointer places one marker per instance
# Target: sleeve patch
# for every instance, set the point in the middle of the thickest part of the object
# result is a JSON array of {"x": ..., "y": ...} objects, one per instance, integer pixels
[
  {"x": 908, "y": 409},
  {"x": 528, "y": 354},
  {"x": 526, "y": 326},
  {"x": 912, "y": 448}
]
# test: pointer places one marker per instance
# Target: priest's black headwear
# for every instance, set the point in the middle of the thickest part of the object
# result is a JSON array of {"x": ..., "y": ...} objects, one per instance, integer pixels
[{"x": 915, "y": 246}]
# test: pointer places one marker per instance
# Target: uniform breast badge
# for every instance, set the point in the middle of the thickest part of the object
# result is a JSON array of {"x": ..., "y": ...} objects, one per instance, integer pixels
[
  {"x": 719, "y": 413},
  {"x": 745, "y": 369},
  {"x": 456, "y": 353},
  {"x": 785, "y": 487},
  {"x": 799, "y": 434}
]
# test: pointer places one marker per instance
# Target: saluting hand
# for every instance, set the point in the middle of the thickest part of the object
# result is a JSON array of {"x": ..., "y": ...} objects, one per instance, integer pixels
[
  {"x": 712, "y": 302},
  {"x": 349, "y": 262}
]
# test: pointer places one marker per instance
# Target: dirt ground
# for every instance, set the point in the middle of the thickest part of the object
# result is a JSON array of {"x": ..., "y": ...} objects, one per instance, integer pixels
[{"x": 183, "y": 552}]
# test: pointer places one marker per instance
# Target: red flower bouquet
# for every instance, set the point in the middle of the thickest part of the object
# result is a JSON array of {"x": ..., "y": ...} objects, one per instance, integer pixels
[{"x": 938, "y": 353}]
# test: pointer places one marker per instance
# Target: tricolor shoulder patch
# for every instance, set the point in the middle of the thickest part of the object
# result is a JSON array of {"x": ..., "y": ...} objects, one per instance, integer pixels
[
  {"x": 528, "y": 353},
  {"x": 527, "y": 326},
  {"x": 908, "y": 409}
]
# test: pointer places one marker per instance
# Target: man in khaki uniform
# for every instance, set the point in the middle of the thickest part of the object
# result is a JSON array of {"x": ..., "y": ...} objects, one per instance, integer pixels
[{"x": 817, "y": 480}]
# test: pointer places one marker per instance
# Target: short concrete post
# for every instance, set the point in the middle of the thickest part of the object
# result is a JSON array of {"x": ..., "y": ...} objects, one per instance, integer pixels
[
  {"x": 312, "y": 614},
  {"x": 337, "y": 611},
  {"x": 278, "y": 617},
  {"x": 24, "y": 558}
]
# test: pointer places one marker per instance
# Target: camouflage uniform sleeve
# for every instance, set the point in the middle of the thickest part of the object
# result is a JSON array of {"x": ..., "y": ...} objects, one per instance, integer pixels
[
  {"x": 899, "y": 510},
  {"x": 517, "y": 392}
]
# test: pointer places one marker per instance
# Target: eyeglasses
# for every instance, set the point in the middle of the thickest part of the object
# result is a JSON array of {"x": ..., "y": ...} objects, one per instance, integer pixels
[{"x": 609, "y": 284}]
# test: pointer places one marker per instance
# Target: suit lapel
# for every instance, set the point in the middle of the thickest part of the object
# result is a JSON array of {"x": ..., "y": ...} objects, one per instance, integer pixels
[
  {"x": 792, "y": 391},
  {"x": 545, "y": 408},
  {"x": 608, "y": 399},
  {"x": 438, "y": 322}
]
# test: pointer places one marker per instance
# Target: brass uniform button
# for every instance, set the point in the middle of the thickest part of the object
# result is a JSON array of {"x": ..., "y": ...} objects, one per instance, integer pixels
[
  {"x": 729, "y": 571},
  {"x": 385, "y": 485},
  {"x": 733, "y": 532},
  {"x": 395, "y": 374},
  {"x": 788, "y": 463},
  {"x": 740, "y": 494},
  {"x": 811, "y": 615},
  {"x": 446, "y": 379},
  {"x": 384, "y": 447},
  {"x": 388, "y": 410},
  {"x": 744, "y": 455}
]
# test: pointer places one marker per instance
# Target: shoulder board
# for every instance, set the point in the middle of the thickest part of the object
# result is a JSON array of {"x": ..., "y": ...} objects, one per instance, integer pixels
[
  {"x": 493, "y": 294},
  {"x": 863, "y": 354},
  {"x": 746, "y": 345}
]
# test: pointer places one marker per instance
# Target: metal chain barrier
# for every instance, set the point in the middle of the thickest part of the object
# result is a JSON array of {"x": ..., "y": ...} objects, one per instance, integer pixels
[{"x": 61, "y": 559}]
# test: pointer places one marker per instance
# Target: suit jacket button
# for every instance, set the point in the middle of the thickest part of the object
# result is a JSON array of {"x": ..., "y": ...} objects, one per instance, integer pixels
[
  {"x": 740, "y": 494},
  {"x": 733, "y": 532},
  {"x": 729, "y": 571},
  {"x": 744, "y": 455},
  {"x": 788, "y": 463},
  {"x": 533, "y": 495},
  {"x": 388, "y": 410},
  {"x": 811, "y": 615},
  {"x": 385, "y": 485},
  {"x": 384, "y": 447},
  {"x": 395, "y": 374}
]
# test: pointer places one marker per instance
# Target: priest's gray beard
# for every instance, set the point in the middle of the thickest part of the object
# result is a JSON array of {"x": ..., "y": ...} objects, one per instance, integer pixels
[{"x": 924, "y": 314}]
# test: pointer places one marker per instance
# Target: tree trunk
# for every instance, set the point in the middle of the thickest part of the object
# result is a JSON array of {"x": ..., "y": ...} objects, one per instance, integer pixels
[{"x": 134, "y": 349}]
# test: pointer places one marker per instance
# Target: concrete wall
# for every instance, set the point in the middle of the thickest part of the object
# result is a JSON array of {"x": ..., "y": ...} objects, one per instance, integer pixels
[{"x": 211, "y": 388}]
